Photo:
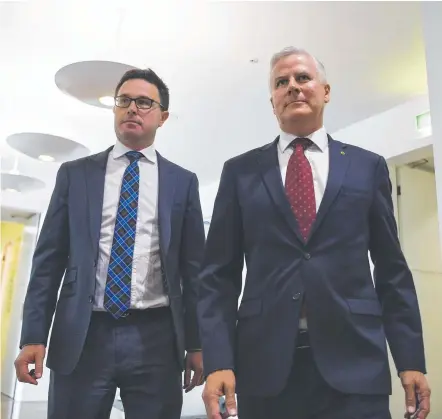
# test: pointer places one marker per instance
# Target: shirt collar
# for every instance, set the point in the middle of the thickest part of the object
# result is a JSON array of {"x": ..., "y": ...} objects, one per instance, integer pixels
[
  {"x": 120, "y": 150},
  {"x": 319, "y": 138}
]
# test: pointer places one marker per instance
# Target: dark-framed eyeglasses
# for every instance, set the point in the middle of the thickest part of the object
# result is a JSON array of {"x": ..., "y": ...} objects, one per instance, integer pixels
[{"x": 140, "y": 102}]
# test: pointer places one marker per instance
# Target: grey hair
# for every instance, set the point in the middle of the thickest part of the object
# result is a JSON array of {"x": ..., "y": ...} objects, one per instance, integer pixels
[{"x": 286, "y": 52}]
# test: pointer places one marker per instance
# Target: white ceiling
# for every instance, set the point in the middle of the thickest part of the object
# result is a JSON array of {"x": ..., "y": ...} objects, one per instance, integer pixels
[{"x": 373, "y": 53}]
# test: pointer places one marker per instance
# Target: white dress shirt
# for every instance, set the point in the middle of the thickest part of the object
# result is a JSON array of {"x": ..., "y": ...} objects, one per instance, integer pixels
[
  {"x": 318, "y": 156},
  {"x": 147, "y": 289}
]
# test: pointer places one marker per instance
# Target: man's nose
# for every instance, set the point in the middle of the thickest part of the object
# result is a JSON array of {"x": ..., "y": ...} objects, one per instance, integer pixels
[
  {"x": 132, "y": 108},
  {"x": 293, "y": 85}
]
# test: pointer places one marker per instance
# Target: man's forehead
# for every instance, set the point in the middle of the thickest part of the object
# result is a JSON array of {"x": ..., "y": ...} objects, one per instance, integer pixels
[
  {"x": 139, "y": 87},
  {"x": 292, "y": 63}
]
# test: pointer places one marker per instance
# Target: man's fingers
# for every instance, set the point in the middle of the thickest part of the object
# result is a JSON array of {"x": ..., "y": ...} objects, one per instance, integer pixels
[
  {"x": 230, "y": 400},
  {"x": 213, "y": 406},
  {"x": 22, "y": 371},
  {"x": 192, "y": 384},
  {"x": 187, "y": 377},
  {"x": 410, "y": 398},
  {"x": 424, "y": 405}
]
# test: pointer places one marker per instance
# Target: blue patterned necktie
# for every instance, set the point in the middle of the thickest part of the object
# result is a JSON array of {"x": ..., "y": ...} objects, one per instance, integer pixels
[{"x": 119, "y": 275}]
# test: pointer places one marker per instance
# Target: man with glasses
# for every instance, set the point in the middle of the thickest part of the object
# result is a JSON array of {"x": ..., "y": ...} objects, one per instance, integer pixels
[{"x": 124, "y": 229}]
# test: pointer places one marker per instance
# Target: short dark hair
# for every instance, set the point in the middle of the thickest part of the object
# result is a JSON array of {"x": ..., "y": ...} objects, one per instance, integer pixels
[{"x": 151, "y": 77}]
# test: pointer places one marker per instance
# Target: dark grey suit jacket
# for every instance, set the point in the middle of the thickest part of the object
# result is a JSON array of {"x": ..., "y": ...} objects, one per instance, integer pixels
[{"x": 67, "y": 249}]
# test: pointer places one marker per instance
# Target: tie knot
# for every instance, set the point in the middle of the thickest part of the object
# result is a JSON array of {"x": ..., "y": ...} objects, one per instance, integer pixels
[
  {"x": 302, "y": 142},
  {"x": 134, "y": 156}
]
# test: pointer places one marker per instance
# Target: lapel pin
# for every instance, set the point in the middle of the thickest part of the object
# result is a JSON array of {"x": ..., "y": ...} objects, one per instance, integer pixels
[{"x": 343, "y": 153}]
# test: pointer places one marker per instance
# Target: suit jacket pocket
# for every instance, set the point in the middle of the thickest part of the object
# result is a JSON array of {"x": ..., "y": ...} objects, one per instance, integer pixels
[
  {"x": 69, "y": 283},
  {"x": 249, "y": 308},
  {"x": 370, "y": 307}
]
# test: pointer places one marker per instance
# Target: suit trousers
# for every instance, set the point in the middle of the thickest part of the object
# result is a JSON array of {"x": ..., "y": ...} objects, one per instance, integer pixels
[
  {"x": 136, "y": 353},
  {"x": 308, "y": 396}
]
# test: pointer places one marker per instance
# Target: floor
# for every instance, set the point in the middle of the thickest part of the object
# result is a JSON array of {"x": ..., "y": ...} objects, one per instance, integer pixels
[
  {"x": 35, "y": 410},
  {"x": 38, "y": 410}
]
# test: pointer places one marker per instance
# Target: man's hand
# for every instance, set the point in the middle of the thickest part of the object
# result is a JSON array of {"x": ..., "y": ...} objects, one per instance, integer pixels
[
  {"x": 415, "y": 384},
  {"x": 30, "y": 354},
  {"x": 220, "y": 383},
  {"x": 194, "y": 362}
]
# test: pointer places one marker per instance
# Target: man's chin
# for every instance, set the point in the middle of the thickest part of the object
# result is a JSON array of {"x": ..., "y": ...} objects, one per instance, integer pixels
[
  {"x": 296, "y": 114},
  {"x": 131, "y": 134}
]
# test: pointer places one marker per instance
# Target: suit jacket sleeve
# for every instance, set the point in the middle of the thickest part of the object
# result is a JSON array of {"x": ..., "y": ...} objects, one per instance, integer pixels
[
  {"x": 394, "y": 282},
  {"x": 191, "y": 254},
  {"x": 48, "y": 266},
  {"x": 221, "y": 278}
]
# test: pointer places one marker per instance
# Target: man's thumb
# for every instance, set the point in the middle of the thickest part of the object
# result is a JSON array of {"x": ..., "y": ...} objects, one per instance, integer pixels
[{"x": 231, "y": 401}]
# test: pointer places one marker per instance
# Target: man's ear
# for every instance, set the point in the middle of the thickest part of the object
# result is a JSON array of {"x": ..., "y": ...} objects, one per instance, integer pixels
[
  {"x": 327, "y": 93},
  {"x": 164, "y": 117},
  {"x": 273, "y": 106}
]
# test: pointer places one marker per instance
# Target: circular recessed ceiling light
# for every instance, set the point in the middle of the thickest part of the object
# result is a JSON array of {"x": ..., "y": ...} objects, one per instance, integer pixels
[
  {"x": 90, "y": 81},
  {"x": 47, "y": 147},
  {"x": 20, "y": 183},
  {"x": 107, "y": 101},
  {"x": 46, "y": 158}
]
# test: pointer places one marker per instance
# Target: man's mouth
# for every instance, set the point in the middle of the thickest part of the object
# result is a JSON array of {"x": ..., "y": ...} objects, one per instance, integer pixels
[{"x": 295, "y": 101}]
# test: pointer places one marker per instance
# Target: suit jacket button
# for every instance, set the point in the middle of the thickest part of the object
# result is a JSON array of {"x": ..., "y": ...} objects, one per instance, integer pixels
[
  {"x": 297, "y": 296},
  {"x": 91, "y": 299},
  {"x": 307, "y": 256}
]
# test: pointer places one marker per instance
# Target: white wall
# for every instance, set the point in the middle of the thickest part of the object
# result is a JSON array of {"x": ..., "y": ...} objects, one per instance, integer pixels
[
  {"x": 432, "y": 31},
  {"x": 390, "y": 133}
]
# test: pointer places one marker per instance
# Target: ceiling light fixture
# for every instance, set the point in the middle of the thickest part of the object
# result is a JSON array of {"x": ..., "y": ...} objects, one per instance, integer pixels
[
  {"x": 11, "y": 190},
  {"x": 107, "y": 100},
  {"x": 45, "y": 158}
]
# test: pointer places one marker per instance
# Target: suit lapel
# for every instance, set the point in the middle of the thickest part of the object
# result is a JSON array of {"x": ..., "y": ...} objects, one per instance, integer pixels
[
  {"x": 271, "y": 174},
  {"x": 95, "y": 172},
  {"x": 338, "y": 164},
  {"x": 166, "y": 192}
]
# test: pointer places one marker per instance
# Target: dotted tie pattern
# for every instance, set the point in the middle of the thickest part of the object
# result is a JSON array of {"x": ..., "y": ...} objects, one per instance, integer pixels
[
  {"x": 118, "y": 284},
  {"x": 299, "y": 186}
]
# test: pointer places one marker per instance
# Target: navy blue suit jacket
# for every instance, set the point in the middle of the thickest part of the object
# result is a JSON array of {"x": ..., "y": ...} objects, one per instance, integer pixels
[
  {"x": 67, "y": 249},
  {"x": 348, "y": 317}
]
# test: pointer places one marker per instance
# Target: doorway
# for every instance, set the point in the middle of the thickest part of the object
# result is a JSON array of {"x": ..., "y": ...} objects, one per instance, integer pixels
[{"x": 414, "y": 193}]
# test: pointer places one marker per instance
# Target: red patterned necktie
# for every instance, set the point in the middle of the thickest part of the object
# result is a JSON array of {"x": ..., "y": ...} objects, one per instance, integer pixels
[{"x": 299, "y": 186}]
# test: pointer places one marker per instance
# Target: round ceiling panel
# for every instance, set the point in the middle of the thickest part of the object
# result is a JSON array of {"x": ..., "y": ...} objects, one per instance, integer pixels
[
  {"x": 20, "y": 183},
  {"x": 92, "y": 82},
  {"x": 47, "y": 147}
]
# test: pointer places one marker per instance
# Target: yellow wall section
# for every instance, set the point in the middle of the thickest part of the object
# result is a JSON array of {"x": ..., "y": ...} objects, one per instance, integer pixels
[{"x": 11, "y": 242}]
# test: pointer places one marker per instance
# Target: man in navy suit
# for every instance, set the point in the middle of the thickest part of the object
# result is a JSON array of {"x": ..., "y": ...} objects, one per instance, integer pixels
[
  {"x": 305, "y": 211},
  {"x": 124, "y": 230}
]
